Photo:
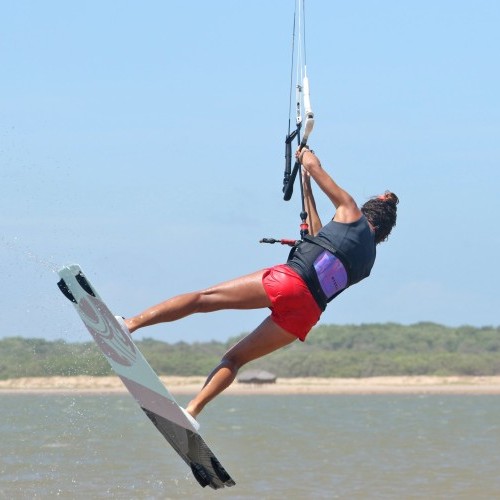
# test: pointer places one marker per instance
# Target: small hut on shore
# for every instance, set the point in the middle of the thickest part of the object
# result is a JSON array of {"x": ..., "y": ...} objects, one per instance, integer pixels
[{"x": 256, "y": 377}]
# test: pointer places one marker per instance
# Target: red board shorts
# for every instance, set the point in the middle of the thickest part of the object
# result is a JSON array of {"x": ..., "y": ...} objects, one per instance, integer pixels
[{"x": 293, "y": 306}]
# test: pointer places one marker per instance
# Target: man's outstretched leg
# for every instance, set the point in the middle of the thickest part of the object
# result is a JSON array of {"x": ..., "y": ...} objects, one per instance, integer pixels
[
  {"x": 246, "y": 292},
  {"x": 266, "y": 338}
]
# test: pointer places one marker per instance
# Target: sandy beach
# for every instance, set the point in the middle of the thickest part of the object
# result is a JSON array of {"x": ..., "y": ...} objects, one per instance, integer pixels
[{"x": 189, "y": 385}]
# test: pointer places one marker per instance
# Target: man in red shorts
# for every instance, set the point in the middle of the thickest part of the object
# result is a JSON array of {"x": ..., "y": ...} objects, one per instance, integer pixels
[{"x": 338, "y": 255}]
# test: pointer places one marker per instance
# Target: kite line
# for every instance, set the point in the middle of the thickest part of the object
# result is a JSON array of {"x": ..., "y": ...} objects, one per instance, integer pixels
[{"x": 303, "y": 110}]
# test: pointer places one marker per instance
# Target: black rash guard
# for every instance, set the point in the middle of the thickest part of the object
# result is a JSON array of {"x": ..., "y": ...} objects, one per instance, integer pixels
[{"x": 339, "y": 256}]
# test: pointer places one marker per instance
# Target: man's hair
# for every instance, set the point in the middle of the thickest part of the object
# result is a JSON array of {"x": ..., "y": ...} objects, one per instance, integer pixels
[{"x": 381, "y": 212}]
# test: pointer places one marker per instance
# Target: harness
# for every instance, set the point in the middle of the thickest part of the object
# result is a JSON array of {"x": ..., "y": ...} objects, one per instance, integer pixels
[
  {"x": 328, "y": 275},
  {"x": 334, "y": 251}
]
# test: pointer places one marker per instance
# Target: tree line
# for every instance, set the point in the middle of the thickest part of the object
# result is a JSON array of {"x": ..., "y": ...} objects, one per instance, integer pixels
[{"x": 365, "y": 350}]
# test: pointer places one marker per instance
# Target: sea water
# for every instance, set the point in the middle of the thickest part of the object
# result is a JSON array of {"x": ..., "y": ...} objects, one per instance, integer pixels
[{"x": 275, "y": 447}]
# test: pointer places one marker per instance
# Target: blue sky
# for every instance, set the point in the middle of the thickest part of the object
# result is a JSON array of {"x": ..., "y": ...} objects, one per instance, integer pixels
[{"x": 144, "y": 141}]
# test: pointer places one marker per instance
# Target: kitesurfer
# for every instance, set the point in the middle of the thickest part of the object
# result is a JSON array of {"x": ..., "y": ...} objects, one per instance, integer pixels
[{"x": 338, "y": 255}]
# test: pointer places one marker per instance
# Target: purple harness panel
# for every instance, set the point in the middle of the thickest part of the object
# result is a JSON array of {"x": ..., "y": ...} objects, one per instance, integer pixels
[{"x": 331, "y": 273}]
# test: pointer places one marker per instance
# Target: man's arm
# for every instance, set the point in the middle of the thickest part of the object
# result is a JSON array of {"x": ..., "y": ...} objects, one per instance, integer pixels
[
  {"x": 347, "y": 210},
  {"x": 313, "y": 219}
]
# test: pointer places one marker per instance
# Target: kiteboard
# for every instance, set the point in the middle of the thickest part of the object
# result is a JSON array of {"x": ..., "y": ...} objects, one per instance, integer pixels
[{"x": 141, "y": 381}]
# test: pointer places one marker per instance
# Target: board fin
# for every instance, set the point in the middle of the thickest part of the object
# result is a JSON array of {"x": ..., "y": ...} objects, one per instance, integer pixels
[
  {"x": 65, "y": 290},
  {"x": 82, "y": 280},
  {"x": 200, "y": 474}
]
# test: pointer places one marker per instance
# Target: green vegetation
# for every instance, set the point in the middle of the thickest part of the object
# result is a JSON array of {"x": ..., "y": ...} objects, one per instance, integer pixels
[{"x": 330, "y": 351}]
